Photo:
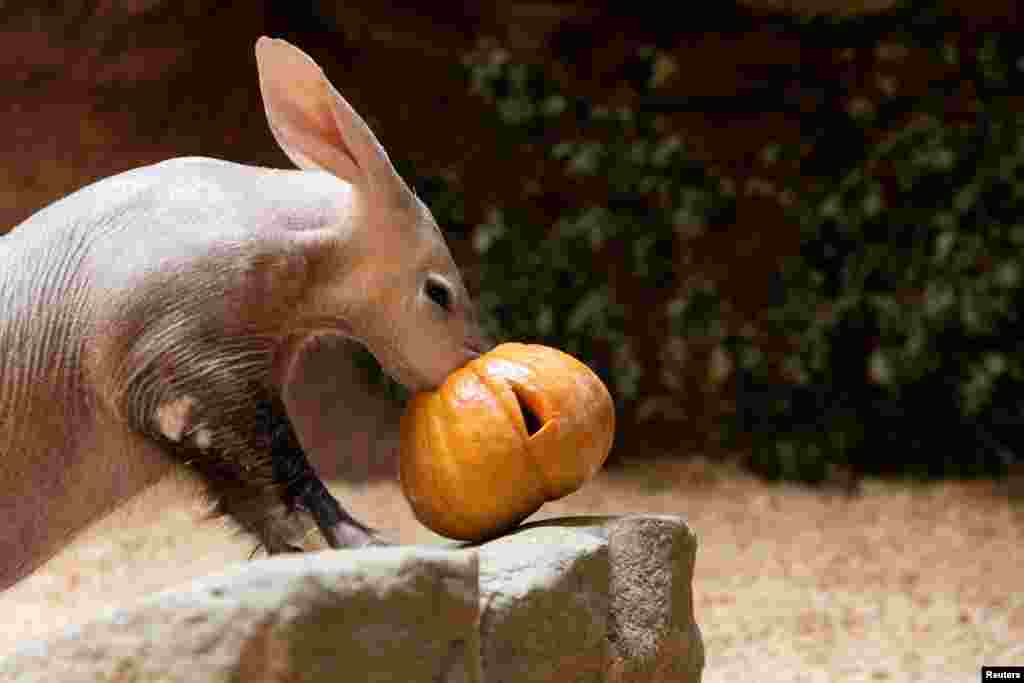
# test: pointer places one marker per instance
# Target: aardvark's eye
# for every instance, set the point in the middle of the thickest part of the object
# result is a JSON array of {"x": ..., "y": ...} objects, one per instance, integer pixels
[{"x": 438, "y": 292}]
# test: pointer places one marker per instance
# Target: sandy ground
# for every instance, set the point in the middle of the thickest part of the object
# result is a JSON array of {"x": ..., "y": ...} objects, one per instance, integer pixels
[{"x": 922, "y": 583}]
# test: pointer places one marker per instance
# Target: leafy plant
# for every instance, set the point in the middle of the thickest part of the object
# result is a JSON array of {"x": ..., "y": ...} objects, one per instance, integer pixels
[{"x": 903, "y": 305}]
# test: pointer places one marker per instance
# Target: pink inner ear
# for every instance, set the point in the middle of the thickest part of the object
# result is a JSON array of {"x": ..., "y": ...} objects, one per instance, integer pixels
[{"x": 301, "y": 109}]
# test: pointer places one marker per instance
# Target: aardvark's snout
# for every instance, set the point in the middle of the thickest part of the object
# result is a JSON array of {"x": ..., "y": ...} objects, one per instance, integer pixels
[{"x": 479, "y": 345}]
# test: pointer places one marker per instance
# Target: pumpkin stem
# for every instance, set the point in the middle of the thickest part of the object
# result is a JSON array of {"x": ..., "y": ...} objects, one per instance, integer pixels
[{"x": 533, "y": 423}]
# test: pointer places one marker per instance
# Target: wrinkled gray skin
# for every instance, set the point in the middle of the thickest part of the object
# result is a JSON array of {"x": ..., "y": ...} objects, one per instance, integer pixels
[{"x": 157, "y": 318}]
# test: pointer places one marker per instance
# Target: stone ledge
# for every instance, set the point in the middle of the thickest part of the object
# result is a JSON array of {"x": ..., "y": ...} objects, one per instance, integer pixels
[{"x": 568, "y": 599}]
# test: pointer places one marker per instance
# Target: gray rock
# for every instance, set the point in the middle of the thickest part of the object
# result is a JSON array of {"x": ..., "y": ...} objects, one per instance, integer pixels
[
  {"x": 591, "y": 599},
  {"x": 571, "y": 599},
  {"x": 404, "y": 613},
  {"x": 544, "y": 603},
  {"x": 652, "y": 634}
]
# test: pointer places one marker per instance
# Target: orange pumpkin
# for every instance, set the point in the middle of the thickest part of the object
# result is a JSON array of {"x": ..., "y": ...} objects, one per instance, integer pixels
[{"x": 519, "y": 426}]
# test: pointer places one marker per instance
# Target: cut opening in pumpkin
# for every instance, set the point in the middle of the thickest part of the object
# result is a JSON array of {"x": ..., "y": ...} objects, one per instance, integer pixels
[{"x": 533, "y": 423}]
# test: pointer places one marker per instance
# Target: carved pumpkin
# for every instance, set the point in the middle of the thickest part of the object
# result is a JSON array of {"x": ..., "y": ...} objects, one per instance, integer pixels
[{"x": 519, "y": 426}]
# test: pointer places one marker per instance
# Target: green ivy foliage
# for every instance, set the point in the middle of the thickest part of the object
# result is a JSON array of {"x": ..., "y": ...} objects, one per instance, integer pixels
[
  {"x": 903, "y": 305},
  {"x": 905, "y": 297}
]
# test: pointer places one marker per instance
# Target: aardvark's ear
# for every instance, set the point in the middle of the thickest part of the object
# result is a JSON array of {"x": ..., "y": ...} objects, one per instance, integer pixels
[{"x": 312, "y": 122}]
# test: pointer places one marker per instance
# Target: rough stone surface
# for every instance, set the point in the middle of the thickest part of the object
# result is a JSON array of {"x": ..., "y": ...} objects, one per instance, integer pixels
[
  {"x": 652, "y": 634},
  {"x": 404, "y": 613},
  {"x": 570, "y": 599},
  {"x": 544, "y": 603}
]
